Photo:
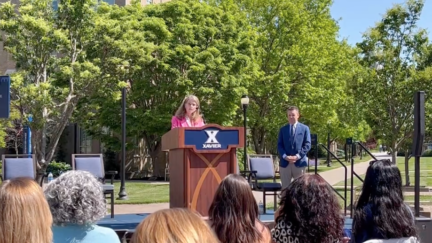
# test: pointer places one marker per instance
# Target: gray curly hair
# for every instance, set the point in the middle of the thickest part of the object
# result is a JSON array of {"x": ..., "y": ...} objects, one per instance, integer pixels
[{"x": 76, "y": 197}]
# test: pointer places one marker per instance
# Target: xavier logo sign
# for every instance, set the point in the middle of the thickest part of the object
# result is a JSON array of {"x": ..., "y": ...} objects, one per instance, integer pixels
[
  {"x": 211, "y": 138},
  {"x": 212, "y": 141}
]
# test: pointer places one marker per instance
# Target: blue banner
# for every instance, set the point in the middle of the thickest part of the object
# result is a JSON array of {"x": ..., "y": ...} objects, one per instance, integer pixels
[
  {"x": 211, "y": 138},
  {"x": 4, "y": 96},
  {"x": 27, "y": 140}
]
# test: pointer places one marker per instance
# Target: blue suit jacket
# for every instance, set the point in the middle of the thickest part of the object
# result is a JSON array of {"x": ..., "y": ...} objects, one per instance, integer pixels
[{"x": 290, "y": 145}]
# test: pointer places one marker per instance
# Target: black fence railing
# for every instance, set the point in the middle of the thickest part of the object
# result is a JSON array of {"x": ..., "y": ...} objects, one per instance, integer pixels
[{"x": 344, "y": 197}]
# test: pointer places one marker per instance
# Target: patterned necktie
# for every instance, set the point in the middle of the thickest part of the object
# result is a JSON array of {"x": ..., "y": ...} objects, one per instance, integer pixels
[{"x": 292, "y": 130}]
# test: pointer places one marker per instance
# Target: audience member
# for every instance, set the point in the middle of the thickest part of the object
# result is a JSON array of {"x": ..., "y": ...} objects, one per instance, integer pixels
[
  {"x": 381, "y": 212},
  {"x": 24, "y": 213},
  {"x": 176, "y": 225},
  {"x": 309, "y": 212},
  {"x": 233, "y": 213},
  {"x": 77, "y": 202}
]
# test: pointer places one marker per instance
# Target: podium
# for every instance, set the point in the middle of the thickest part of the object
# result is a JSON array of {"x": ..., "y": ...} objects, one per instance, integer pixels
[{"x": 199, "y": 158}]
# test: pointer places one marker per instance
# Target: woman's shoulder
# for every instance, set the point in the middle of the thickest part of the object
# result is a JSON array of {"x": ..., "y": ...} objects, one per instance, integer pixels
[
  {"x": 105, "y": 233},
  {"x": 176, "y": 118},
  {"x": 265, "y": 232},
  {"x": 199, "y": 118}
]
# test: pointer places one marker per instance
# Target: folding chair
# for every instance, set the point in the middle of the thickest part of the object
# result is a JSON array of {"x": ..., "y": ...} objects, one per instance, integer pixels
[
  {"x": 262, "y": 168},
  {"x": 244, "y": 173},
  {"x": 19, "y": 165},
  {"x": 94, "y": 164}
]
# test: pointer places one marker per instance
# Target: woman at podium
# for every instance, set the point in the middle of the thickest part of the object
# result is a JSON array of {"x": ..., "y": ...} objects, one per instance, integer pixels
[{"x": 188, "y": 114}]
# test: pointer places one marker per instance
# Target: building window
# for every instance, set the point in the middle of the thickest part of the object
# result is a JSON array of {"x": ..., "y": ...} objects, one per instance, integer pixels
[
  {"x": 85, "y": 143},
  {"x": 10, "y": 71},
  {"x": 55, "y": 5},
  {"x": 149, "y": 1},
  {"x": 110, "y": 2}
]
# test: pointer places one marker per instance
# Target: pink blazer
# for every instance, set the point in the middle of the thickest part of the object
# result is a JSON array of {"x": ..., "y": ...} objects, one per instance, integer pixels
[{"x": 176, "y": 122}]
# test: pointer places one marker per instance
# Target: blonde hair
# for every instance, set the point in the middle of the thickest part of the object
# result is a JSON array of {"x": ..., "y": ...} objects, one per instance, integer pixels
[
  {"x": 181, "y": 111},
  {"x": 176, "y": 225},
  {"x": 24, "y": 213}
]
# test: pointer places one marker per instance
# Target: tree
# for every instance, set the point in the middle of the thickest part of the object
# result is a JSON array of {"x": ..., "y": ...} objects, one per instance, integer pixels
[
  {"x": 4, "y": 124},
  {"x": 299, "y": 60},
  {"x": 15, "y": 132},
  {"x": 168, "y": 51},
  {"x": 53, "y": 71},
  {"x": 391, "y": 52}
]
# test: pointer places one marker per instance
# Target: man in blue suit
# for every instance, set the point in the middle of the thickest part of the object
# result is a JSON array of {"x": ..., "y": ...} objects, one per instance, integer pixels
[{"x": 294, "y": 142}]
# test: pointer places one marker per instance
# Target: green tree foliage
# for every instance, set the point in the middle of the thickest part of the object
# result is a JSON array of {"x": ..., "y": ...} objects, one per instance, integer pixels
[
  {"x": 168, "y": 51},
  {"x": 54, "y": 72},
  {"x": 4, "y": 124},
  {"x": 394, "y": 54},
  {"x": 299, "y": 62}
]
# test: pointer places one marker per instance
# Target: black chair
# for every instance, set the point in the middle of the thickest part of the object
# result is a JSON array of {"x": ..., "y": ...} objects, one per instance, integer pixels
[
  {"x": 244, "y": 173},
  {"x": 262, "y": 168},
  {"x": 20, "y": 165},
  {"x": 94, "y": 164}
]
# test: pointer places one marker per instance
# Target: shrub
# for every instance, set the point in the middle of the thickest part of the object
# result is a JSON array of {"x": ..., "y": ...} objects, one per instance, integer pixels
[
  {"x": 427, "y": 153},
  {"x": 340, "y": 153},
  {"x": 56, "y": 168},
  {"x": 322, "y": 153}
]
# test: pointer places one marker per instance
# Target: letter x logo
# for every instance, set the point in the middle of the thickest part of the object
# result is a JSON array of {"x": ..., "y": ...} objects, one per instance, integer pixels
[{"x": 211, "y": 136}]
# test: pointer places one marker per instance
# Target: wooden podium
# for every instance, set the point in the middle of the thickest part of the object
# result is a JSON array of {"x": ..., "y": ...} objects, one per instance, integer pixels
[{"x": 199, "y": 158}]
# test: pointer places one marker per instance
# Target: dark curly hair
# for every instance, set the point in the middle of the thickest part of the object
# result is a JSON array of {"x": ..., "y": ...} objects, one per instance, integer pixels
[
  {"x": 382, "y": 193},
  {"x": 312, "y": 208},
  {"x": 234, "y": 212}
]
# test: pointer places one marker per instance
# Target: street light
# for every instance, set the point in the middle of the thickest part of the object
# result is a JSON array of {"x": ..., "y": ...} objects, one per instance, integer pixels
[
  {"x": 245, "y": 103},
  {"x": 122, "y": 194}
]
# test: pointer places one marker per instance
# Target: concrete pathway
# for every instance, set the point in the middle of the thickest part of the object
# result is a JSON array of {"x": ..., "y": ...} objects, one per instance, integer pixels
[
  {"x": 332, "y": 177},
  {"x": 337, "y": 175}
]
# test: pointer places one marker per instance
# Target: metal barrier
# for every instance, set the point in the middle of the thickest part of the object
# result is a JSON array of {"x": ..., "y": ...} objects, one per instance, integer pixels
[
  {"x": 366, "y": 150},
  {"x": 346, "y": 175}
]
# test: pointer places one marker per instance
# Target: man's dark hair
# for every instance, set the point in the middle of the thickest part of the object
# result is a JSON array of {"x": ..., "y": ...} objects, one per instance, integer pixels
[{"x": 292, "y": 108}]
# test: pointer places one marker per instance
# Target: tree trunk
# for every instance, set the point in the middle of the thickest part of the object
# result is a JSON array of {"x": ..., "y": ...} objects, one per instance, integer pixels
[
  {"x": 45, "y": 152},
  {"x": 394, "y": 150},
  {"x": 159, "y": 160},
  {"x": 16, "y": 145},
  {"x": 407, "y": 158},
  {"x": 258, "y": 139}
]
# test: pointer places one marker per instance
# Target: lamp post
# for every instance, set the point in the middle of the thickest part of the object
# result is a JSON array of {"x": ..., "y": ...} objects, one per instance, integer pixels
[
  {"x": 245, "y": 103},
  {"x": 122, "y": 194}
]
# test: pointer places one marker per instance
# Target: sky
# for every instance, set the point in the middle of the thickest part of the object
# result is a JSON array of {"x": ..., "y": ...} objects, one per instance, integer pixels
[{"x": 356, "y": 16}]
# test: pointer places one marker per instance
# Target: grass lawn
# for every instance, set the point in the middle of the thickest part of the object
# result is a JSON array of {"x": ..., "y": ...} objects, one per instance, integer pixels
[
  {"x": 142, "y": 193},
  {"x": 139, "y": 192},
  {"x": 425, "y": 172},
  {"x": 335, "y": 164}
]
